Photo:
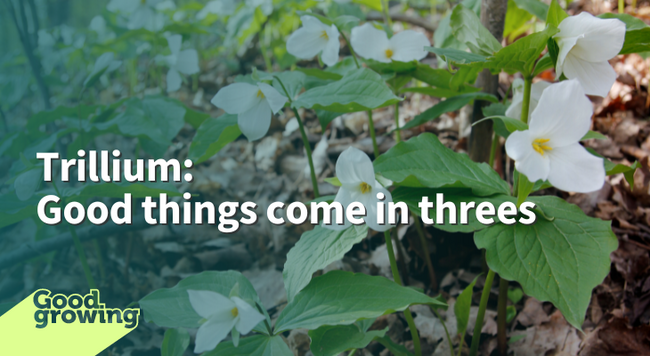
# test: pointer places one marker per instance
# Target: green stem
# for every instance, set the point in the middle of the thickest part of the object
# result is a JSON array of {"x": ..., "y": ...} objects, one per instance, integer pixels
[
  {"x": 80, "y": 250},
  {"x": 398, "y": 134},
  {"x": 425, "y": 250},
  {"x": 476, "y": 338},
  {"x": 353, "y": 352},
  {"x": 354, "y": 55},
  {"x": 461, "y": 342},
  {"x": 451, "y": 346},
  {"x": 305, "y": 141},
  {"x": 501, "y": 317},
  {"x": 384, "y": 7},
  {"x": 493, "y": 150},
  {"x": 621, "y": 6},
  {"x": 525, "y": 105},
  {"x": 371, "y": 128},
  {"x": 407, "y": 313}
]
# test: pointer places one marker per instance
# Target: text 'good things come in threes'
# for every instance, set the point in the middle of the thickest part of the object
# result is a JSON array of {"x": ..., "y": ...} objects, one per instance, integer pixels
[{"x": 229, "y": 216}]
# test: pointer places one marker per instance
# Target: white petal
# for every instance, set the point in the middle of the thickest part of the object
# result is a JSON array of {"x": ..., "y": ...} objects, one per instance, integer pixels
[
  {"x": 565, "y": 45},
  {"x": 408, "y": 46},
  {"x": 602, "y": 40},
  {"x": 369, "y": 42},
  {"x": 306, "y": 43},
  {"x": 344, "y": 196},
  {"x": 514, "y": 110},
  {"x": 596, "y": 78},
  {"x": 275, "y": 100},
  {"x": 519, "y": 147},
  {"x": 188, "y": 62},
  {"x": 312, "y": 23},
  {"x": 330, "y": 55},
  {"x": 255, "y": 122},
  {"x": 354, "y": 167},
  {"x": 208, "y": 303},
  {"x": 236, "y": 98},
  {"x": 370, "y": 202},
  {"x": 211, "y": 333},
  {"x": 249, "y": 317},
  {"x": 574, "y": 169},
  {"x": 175, "y": 43},
  {"x": 563, "y": 114},
  {"x": 174, "y": 81}
]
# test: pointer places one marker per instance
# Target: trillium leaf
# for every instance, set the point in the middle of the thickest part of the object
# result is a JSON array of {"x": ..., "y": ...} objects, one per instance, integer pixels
[
  {"x": 425, "y": 162},
  {"x": 395, "y": 348},
  {"x": 213, "y": 135},
  {"x": 292, "y": 81},
  {"x": 171, "y": 308},
  {"x": 458, "y": 57},
  {"x": 593, "y": 134},
  {"x": 315, "y": 250},
  {"x": 325, "y": 117},
  {"x": 256, "y": 345},
  {"x": 359, "y": 90},
  {"x": 333, "y": 340},
  {"x": 511, "y": 125},
  {"x": 451, "y": 104},
  {"x": 534, "y": 7},
  {"x": 341, "y": 298},
  {"x": 175, "y": 342},
  {"x": 321, "y": 18},
  {"x": 346, "y": 22},
  {"x": 467, "y": 28},
  {"x": 544, "y": 63},
  {"x": 320, "y": 74},
  {"x": 555, "y": 14},
  {"x": 637, "y": 35},
  {"x": 560, "y": 261},
  {"x": 28, "y": 182},
  {"x": 413, "y": 196},
  {"x": 612, "y": 168},
  {"x": 462, "y": 308},
  {"x": 522, "y": 55}
]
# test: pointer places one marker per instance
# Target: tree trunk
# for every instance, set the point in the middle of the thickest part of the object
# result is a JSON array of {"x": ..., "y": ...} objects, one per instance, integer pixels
[{"x": 493, "y": 17}]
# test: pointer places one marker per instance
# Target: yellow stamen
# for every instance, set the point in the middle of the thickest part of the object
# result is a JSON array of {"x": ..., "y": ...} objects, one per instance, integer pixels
[
  {"x": 325, "y": 35},
  {"x": 234, "y": 312},
  {"x": 260, "y": 94},
  {"x": 389, "y": 53},
  {"x": 365, "y": 187},
  {"x": 540, "y": 147}
]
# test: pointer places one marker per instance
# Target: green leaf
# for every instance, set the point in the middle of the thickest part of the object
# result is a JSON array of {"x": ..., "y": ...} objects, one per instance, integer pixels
[
  {"x": 555, "y": 14},
  {"x": 534, "y": 7},
  {"x": 462, "y": 307},
  {"x": 213, "y": 135},
  {"x": 396, "y": 349},
  {"x": 511, "y": 313},
  {"x": 509, "y": 124},
  {"x": 28, "y": 182},
  {"x": 467, "y": 28},
  {"x": 171, "y": 308},
  {"x": 544, "y": 63},
  {"x": 320, "y": 74},
  {"x": 321, "y": 18},
  {"x": 359, "y": 90},
  {"x": 425, "y": 162},
  {"x": 325, "y": 117},
  {"x": 194, "y": 117},
  {"x": 518, "y": 21},
  {"x": 457, "y": 56},
  {"x": 315, "y": 250},
  {"x": 292, "y": 81},
  {"x": 451, "y": 104},
  {"x": 333, "y": 181},
  {"x": 333, "y": 340},
  {"x": 413, "y": 196},
  {"x": 256, "y": 345},
  {"x": 636, "y": 41},
  {"x": 612, "y": 168},
  {"x": 593, "y": 134},
  {"x": 560, "y": 261},
  {"x": 515, "y": 295},
  {"x": 341, "y": 298},
  {"x": 631, "y": 23},
  {"x": 524, "y": 188},
  {"x": 175, "y": 342},
  {"x": 522, "y": 55},
  {"x": 346, "y": 22},
  {"x": 376, "y": 5}
]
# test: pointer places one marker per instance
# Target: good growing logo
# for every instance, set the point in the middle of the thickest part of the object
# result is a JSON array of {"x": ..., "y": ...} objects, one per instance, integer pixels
[{"x": 77, "y": 309}]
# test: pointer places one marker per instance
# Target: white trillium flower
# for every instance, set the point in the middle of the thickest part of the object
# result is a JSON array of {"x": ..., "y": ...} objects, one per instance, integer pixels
[
  {"x": 186, "y": 62},
  {"x": 586, "y": 45},
  {"x": 221, "y": 314},
  {"x": 371, "y": 43},
  {"x": 141, "y": 13},
  {"x": 358, "y": 184},
  {"x": 253, "y": 104},
  {"x": 514, "y": 110},
  {"x": 550, "y": 148},
  {"x": 217, "y": 7},
  {"x": 315, "y": 37}
]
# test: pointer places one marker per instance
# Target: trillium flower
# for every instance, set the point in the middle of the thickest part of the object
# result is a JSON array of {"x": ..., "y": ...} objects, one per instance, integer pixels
[
  {"x": 217, "y": 7},
  {"x": 253, "y": 104},
  {"x": 550, "y": 148},
  {"x": 186, "y": 62},
  {"x": 371, "y": 43},
  {"x": 358, "y": 184},
  {"x": 514, "y": 110},
  {"x": 221, "y": 314},
  {"x": 315, "y": 37},
  {"x": 586, "y": 44},
  {"x": 141, "y": 13}
]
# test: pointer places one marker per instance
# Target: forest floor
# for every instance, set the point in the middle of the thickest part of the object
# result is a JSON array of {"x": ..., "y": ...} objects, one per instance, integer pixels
[{"x": 273, "y": 169}]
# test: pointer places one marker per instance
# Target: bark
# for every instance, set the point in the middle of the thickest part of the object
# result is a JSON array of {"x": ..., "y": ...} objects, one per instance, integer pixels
[{"x": 493, "y": 16}]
